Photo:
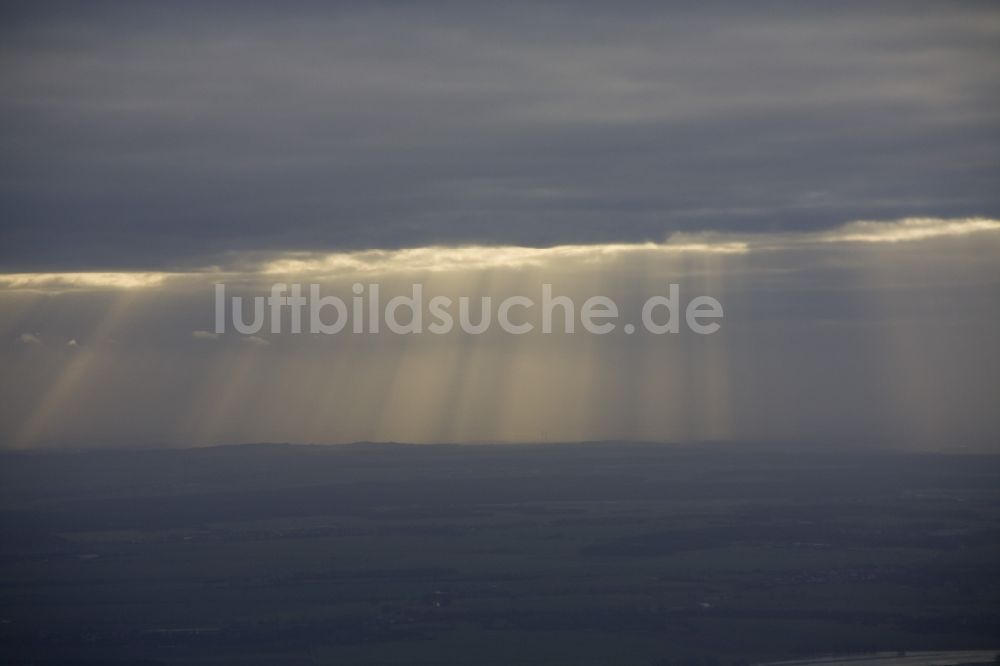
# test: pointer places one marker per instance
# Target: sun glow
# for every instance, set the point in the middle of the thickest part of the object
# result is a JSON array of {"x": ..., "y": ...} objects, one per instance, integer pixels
[
  {"x": 85, "y": 280},
  {"x": 445, "y": 259},
  {"x": 908, "y": 229}
]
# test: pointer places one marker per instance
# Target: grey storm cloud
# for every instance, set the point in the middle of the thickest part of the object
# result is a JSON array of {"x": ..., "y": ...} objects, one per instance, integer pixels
[{"x": 155, "y": 136}]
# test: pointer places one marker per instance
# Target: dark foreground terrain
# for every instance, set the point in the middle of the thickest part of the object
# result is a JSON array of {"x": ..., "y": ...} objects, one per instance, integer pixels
[{"x": 555, "y": 554}]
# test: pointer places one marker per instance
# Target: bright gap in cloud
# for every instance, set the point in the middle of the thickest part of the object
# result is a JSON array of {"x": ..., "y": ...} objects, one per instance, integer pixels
[{"x": 449, "y": 259}]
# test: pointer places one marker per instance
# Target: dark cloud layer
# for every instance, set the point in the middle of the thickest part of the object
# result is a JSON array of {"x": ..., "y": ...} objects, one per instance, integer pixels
[{"x": 163, "y": 135}]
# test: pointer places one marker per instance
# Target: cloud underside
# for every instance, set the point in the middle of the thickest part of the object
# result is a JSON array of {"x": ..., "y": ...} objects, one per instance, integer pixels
[{"x": 173, "y": 136}]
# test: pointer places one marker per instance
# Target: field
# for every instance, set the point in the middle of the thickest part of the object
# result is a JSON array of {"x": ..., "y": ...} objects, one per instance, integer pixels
[{"x": 575, "y": 554}]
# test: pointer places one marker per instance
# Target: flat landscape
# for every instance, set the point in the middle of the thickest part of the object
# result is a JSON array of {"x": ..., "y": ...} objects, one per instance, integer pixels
[{"x": 575, "y": 554}]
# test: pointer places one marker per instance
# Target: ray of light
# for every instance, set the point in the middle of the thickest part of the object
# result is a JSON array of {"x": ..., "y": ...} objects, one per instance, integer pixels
[
  {"x": 222, "y": 409},
  {"x": 58, "y": 397}
]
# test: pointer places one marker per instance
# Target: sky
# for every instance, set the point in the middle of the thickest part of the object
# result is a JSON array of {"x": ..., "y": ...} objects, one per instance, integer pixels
[{"x": 827, "y": 171}]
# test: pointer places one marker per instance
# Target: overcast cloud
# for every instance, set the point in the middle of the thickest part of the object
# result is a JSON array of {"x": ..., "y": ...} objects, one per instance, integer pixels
[{"x": 163, "y": 135}]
